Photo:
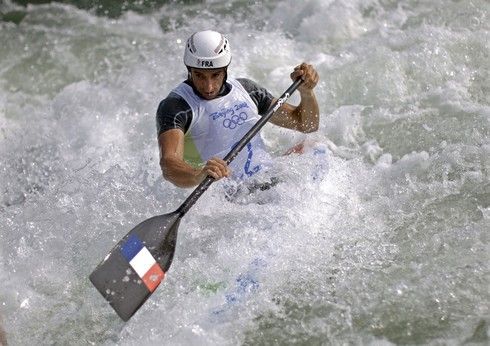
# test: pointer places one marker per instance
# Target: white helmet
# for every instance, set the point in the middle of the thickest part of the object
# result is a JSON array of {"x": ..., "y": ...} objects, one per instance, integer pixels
[{"x": 207, "y": 49}]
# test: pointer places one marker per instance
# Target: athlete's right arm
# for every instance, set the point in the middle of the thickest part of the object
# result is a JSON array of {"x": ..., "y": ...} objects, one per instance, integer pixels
[{"x": 179, "y": 172}]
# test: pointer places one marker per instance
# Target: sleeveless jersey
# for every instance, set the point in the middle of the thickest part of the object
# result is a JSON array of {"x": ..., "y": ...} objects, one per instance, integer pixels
[{"x": 217, "y": 125}]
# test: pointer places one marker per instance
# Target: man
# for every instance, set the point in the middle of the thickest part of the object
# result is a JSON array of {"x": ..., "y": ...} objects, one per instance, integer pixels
[{"x": 206, "y": 115}]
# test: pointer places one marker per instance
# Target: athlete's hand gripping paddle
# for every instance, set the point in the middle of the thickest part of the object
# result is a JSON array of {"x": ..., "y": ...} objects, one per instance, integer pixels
[{"x": 134, "y": 268}]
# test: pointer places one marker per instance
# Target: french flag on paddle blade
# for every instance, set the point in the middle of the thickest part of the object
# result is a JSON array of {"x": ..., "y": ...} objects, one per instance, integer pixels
[{"x": 143, "y": 263}]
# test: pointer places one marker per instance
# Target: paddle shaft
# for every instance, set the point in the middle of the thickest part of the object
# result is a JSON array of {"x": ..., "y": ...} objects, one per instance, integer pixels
[{"x": 204, "y": 185}]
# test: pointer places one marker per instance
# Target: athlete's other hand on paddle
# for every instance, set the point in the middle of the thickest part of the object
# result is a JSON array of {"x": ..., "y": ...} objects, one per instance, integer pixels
[
  {"x": 309, "y": 76},
  {"x": 216, "y": 168}
]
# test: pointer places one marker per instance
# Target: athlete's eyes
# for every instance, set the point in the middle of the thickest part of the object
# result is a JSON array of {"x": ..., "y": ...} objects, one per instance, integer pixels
[{"x": 215, "y": 75}]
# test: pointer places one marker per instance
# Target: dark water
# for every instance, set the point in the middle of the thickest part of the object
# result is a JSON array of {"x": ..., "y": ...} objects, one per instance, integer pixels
[{"x": 111, "y": 8}]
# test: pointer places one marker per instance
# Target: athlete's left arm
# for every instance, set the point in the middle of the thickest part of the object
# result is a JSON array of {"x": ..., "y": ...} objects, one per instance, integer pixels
[{"x": 306, "y": 116}]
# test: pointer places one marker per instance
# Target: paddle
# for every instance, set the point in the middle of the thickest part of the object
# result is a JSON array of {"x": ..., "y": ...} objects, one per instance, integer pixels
[{"x": 134, "y": 268}]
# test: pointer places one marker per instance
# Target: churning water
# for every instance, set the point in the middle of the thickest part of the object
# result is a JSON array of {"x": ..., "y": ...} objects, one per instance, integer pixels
[{"x": 391, "y": 247}]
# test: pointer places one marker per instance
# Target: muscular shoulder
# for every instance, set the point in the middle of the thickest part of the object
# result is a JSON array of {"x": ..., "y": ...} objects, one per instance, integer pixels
[
  {"x": 173, "y": 112},
  {"x": 260, "y": 95}
]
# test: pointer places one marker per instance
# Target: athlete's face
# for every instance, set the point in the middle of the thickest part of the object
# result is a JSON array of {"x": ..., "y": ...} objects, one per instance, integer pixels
[{"x": 208, "y": 82}]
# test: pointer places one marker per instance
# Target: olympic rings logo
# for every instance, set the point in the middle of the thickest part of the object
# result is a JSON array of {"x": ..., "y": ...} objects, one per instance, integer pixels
[{"x": 235, "y": 120}]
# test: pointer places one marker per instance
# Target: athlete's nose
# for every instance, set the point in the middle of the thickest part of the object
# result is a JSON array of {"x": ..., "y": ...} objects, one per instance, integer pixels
[{"x": 208, "y": 86}]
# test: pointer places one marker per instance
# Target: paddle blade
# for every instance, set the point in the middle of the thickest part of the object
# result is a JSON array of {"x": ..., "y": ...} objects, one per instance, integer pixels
[{"x": 134, "y": 268}]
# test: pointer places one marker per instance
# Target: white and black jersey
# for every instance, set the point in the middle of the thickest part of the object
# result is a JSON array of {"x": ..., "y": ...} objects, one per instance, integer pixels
[{"x": 175, "y": 113}]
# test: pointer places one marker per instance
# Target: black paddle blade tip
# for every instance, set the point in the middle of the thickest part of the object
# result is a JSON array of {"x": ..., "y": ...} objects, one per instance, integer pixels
[
  {"x": 120, "y": 285},
  {"x": 137, "y": 264}
]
